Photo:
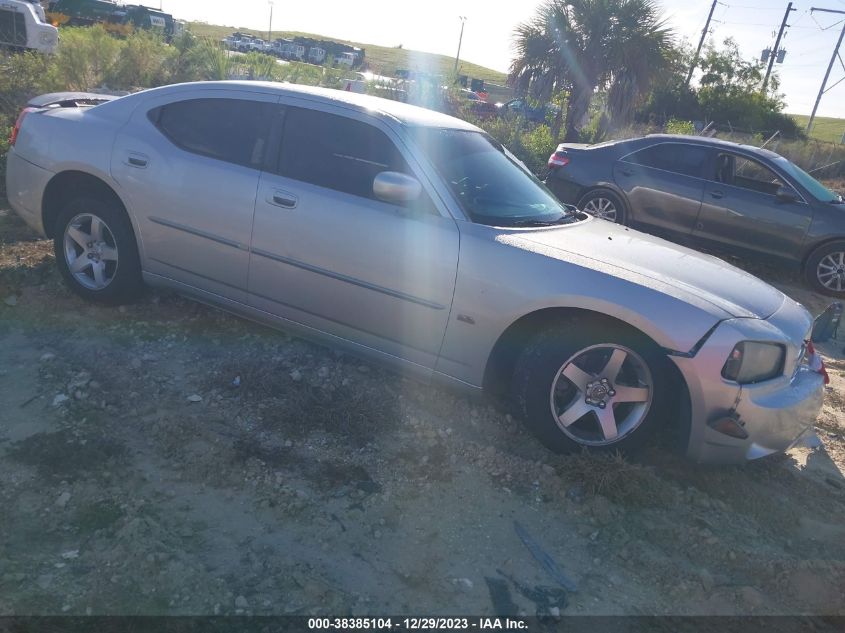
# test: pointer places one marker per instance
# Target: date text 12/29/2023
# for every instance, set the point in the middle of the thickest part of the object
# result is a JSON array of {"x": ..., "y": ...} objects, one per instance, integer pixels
[{"x": 418, "y": 624}]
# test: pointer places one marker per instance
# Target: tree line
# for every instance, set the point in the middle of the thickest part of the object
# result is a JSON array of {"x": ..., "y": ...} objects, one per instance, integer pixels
[{"x": 613, "y": 62}]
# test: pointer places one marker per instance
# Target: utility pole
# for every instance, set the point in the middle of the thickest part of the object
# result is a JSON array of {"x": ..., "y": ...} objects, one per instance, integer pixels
[
  {"x": 460, "y": 40},
  {"x": 829, "y": 66},
  {"x": 270, "y": 29},
  {"x": 783, "y": 25},
  {"x": 701, "y": 41}
]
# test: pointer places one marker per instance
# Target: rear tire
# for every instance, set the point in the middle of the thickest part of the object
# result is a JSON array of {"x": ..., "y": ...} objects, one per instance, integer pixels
[
  {"x": 96, "y": 251},
  {"x": 604, "y": 204},
  {"x": 592, "y": 386},
  {"x": 825, "y": 269}
]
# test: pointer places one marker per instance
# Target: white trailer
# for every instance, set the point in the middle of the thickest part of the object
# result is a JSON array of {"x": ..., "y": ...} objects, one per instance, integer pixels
[{"x": 23, "y": 27}]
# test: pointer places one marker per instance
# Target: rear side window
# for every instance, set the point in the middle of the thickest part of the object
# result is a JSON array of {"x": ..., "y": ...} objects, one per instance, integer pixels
[
  {"x": 678, "y": 158},
  {"x": 336, "y": 152},
  {"x": 232, "y": 130},
  {"x": 12, "y": 28}
]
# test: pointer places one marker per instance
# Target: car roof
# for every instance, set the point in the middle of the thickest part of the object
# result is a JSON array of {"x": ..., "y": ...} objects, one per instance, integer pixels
[
  {"x": 710, "y": 142},
  {"x": 403, "y": 113}
]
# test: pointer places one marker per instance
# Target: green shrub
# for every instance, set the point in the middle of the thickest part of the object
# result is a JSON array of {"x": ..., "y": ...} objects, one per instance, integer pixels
[
  {"x": 86, "y": 57},
  {"x": 676, "y": 126},
  {"x": 144, "y": 60}
]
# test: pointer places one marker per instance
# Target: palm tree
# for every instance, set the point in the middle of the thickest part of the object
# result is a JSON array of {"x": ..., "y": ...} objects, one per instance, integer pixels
[{"x": 579, "y": 46}]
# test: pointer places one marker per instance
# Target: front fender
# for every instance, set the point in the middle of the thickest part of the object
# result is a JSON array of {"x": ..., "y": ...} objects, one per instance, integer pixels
[{"x": 497, "y": 285}]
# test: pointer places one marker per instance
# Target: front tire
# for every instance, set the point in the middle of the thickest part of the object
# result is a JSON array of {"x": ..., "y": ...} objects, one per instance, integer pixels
[
  {"x": 96, "y": 251},
  {"x": 603, "y": 203},
  {"x": 594, "y": 387},
  {"x": 825, "y": 269}
]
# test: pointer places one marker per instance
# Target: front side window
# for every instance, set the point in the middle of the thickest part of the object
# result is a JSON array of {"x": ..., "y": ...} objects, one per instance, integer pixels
[
  {"x": 678, "y": 158},
  {"x": 232, "y": 130},
  {"x": 488, "y": 183},
  {"x": 336, "y": 152},
  {"x": 746, "y": 173}
]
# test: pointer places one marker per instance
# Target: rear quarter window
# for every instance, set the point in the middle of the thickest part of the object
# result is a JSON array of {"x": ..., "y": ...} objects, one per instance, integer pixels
[{"x": 231, "y": 130}]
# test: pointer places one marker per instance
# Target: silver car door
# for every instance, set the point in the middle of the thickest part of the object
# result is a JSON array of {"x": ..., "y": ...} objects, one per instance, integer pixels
[
  {"x": 327, "y": 254},
  {"x": 190, "y": 166}
]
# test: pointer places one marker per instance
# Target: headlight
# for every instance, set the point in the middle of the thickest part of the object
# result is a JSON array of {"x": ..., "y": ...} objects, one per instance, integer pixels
[{"x": 754, "y": 362}]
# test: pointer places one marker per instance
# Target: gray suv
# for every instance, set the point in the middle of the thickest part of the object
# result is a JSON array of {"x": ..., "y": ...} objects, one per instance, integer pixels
[{"x": 415, "y": 239}]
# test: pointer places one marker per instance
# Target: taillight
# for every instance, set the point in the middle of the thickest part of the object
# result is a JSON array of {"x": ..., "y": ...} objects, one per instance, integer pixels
[
  {"x": 558, "y": 159},
  {"x": 15, "y": 130}
]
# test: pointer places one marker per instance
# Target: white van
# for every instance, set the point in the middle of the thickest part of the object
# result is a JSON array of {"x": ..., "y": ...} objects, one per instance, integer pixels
[{"x": 22, "y": 26}]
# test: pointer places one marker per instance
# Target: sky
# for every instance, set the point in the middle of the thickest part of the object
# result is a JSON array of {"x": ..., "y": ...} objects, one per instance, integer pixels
[{"x": 434, "y": 26}]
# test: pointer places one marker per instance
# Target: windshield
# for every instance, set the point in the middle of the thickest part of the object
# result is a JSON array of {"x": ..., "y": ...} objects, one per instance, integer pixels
[
  {"x": 817, "y": 189},
  {"x": 488, "y": 182}
]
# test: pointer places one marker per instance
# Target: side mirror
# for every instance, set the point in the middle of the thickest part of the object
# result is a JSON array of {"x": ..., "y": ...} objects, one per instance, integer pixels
[
  {"x": 396, "y": 188},
  {"x": 786, "y": 194}
]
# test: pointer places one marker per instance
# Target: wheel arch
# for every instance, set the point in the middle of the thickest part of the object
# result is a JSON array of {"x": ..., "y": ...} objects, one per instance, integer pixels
[
  {"x": 64, "y": 185},
  {"x": 505, "y": 353},
  {"x": 812, "y": 248}
]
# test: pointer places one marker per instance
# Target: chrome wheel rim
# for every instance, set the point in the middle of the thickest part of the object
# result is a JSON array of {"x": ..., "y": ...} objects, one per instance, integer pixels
[
  {"x": 90, "y": 251},
  {"x": 831, "y": 271},
  {"x": 601, "y": 208},
  {"x": 601, "y": 394}
]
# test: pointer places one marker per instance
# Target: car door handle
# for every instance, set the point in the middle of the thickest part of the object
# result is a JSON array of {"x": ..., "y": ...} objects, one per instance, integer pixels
[
  {"x": 137, "y": 160},
  {"x": 626, "y": 172},
  {"x": 282, "y": 199},
  {"x": 717, "y": 194}
]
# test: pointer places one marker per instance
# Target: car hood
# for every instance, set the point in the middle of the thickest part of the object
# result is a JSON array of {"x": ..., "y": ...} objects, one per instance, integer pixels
[{"x": 706, "y": 277}]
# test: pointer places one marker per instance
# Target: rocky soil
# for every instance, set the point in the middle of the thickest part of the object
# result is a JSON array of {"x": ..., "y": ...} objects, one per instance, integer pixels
[{"x": 166, "y": 458}]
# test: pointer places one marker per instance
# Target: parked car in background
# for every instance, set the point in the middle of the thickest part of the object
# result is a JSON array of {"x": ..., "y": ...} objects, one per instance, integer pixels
[
  {"x": 23, "y": 27},
  {"x": 477, "y": 106},
  {"x": 416, "y": 239},
  {"x": 736, "y": 197},
  {"x": 521, "y": 107}
]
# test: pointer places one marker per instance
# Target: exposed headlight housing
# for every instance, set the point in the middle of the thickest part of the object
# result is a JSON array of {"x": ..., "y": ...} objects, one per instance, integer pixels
[{"x": 751, "y": 362}]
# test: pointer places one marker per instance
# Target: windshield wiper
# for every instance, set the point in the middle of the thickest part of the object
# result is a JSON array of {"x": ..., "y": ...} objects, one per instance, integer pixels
[{"x": 534, "y": 222}]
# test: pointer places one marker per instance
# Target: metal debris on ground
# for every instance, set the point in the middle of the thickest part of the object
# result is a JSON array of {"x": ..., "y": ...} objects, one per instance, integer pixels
[
  {"x": 500, "y": 596},
  {"x": 549, "y": 601},
  {"x": 544, "y": 559}
]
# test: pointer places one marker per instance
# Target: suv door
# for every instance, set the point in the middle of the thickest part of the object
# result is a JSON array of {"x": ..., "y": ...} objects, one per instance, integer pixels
[
  {"x": 327, "y": 254},
  {"x": 664, "y": 185},
  {"x": 189, "y": 167},
  {"x": 741, "y": 208}
]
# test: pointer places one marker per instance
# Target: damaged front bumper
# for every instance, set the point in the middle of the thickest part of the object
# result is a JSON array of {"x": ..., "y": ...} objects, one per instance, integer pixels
[{"x": 767, "y": 417}]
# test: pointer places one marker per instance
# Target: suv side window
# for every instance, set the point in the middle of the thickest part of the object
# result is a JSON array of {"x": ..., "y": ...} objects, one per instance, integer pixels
[
  {"x": 232, "y": 130},
  {"x": 336, "y": 152},
  {"x": 678, "y": 158},
  {"x": 740, "y": 171}
]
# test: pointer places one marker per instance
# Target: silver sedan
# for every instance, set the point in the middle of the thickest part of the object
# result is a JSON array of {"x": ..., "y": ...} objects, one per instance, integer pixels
[{"x": 415, "y": 239}]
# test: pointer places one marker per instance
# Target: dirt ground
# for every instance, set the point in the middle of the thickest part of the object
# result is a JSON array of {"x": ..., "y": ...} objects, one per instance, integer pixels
[{"x": 166, "y": 458}]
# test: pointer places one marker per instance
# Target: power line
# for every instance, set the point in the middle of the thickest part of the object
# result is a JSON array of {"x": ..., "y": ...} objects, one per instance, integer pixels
[
  {"x": 701, "y": 41},
  {"x": 776, "y": 50},
  {"x": 833, "y": 57}
]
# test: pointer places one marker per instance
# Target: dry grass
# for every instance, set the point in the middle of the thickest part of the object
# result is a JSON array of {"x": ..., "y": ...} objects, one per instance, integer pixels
[{"x": 618, "y": 479}]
